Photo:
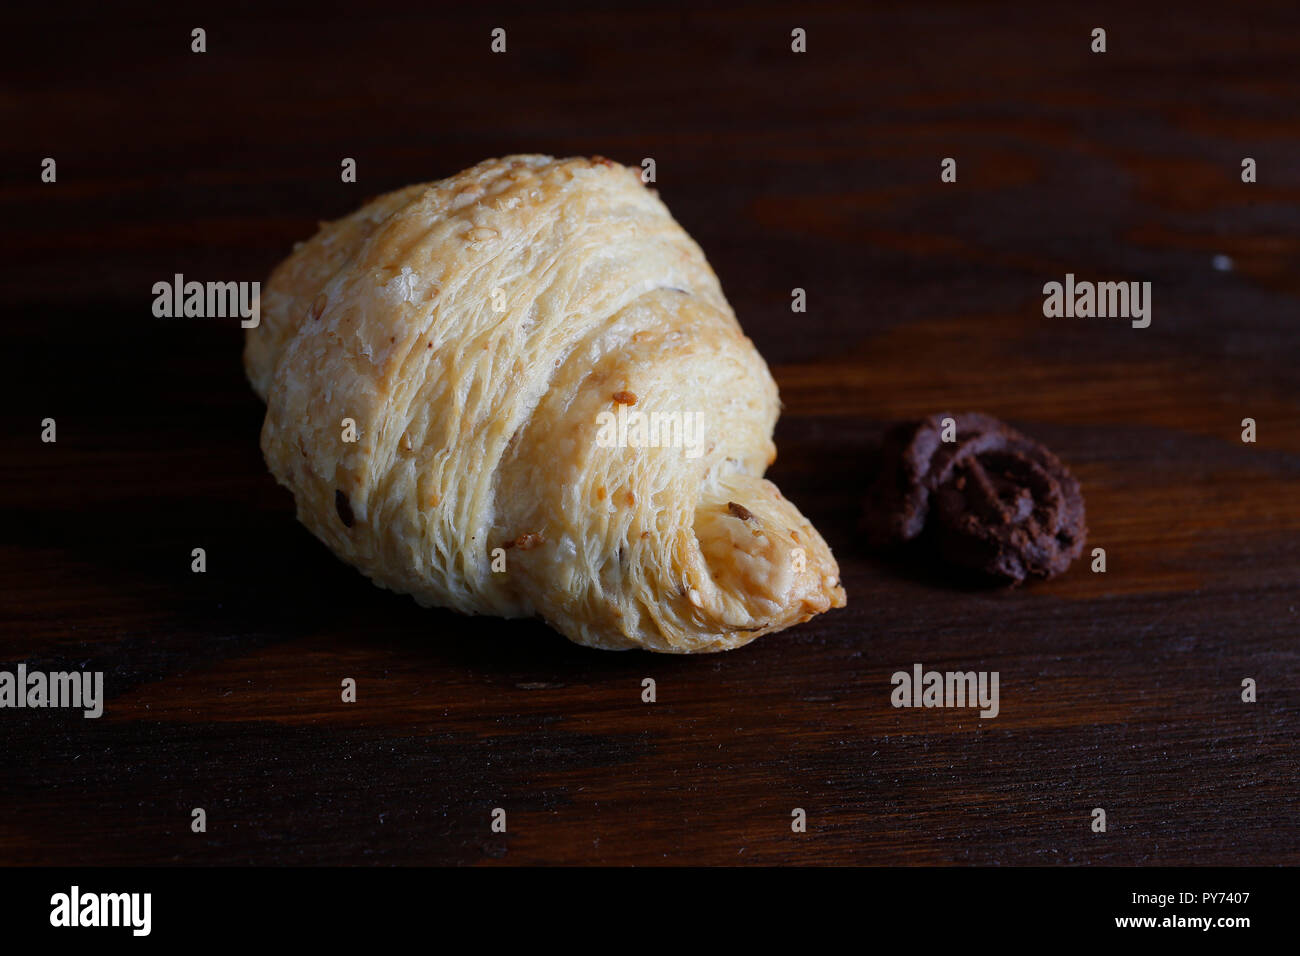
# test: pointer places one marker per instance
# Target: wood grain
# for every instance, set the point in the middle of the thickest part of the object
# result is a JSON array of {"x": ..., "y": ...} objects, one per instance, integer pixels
[{"x": 817, "y": 171}]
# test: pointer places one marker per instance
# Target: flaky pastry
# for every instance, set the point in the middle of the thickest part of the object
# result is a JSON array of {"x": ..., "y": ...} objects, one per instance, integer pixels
[{"x": 520, "y": 391}]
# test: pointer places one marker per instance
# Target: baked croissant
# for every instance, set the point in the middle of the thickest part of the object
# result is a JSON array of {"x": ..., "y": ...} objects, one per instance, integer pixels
[{"x": 452, "y": 375}]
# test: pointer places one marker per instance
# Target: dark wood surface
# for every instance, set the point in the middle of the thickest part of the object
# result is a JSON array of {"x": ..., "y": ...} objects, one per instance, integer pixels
[{"x": 1118, "y": 690}]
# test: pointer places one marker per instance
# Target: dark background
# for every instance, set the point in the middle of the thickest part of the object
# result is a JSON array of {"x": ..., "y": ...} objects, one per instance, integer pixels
[{"x": 1119, "y": 690}]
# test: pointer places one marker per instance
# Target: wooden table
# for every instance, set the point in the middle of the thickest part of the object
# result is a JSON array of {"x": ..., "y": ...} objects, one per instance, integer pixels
[{"x": 819, "y": 171}]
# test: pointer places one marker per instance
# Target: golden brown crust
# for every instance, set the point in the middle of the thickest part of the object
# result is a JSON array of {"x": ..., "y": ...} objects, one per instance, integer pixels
[{"x": 475, "y": 330}]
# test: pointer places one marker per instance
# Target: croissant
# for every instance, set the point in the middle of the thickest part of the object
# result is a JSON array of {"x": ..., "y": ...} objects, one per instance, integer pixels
[{"x": 520, "y": 391}]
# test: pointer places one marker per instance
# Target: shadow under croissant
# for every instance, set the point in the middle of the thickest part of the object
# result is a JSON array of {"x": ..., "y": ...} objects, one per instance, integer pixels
[{"x": 917, "y": 562}]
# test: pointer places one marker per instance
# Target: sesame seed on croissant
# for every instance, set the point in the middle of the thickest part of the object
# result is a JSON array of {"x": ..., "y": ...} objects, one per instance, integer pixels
[{"x": 493, "y": 337}]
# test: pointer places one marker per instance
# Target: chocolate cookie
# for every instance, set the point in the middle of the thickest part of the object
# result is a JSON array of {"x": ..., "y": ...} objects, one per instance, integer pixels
[{"x": 992, "y": 500}]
